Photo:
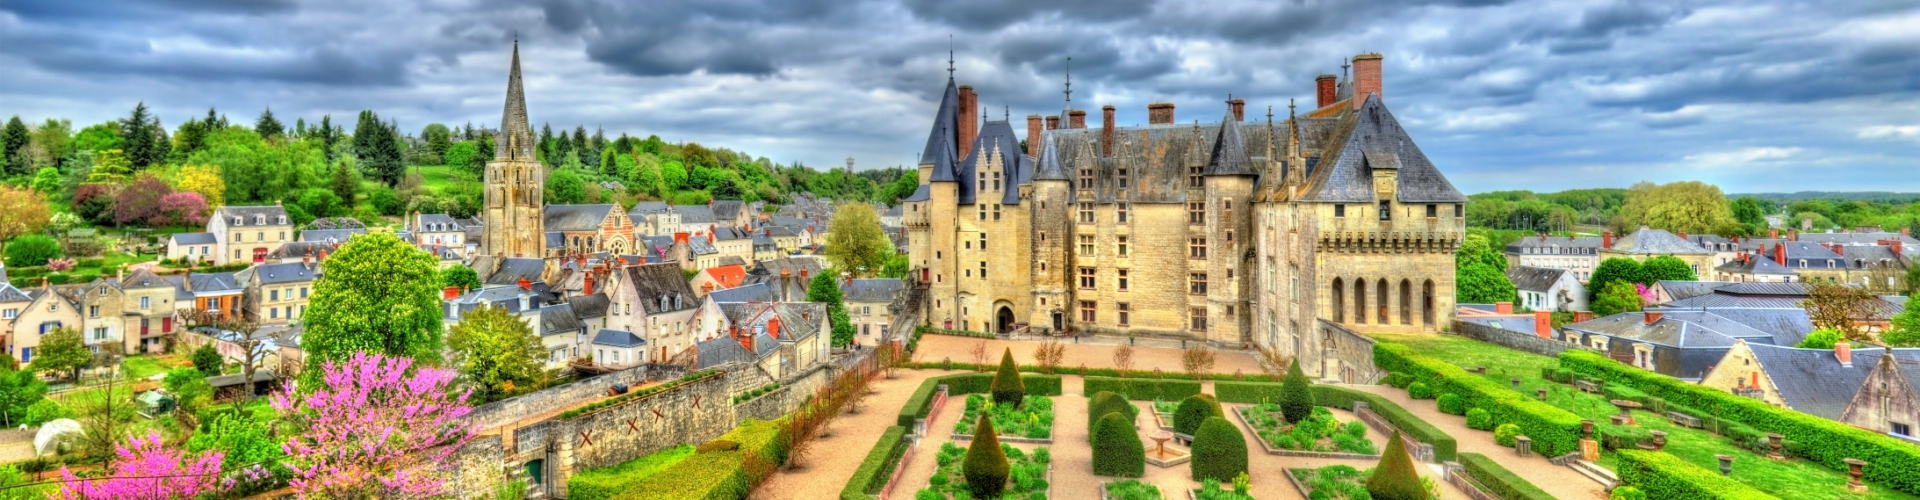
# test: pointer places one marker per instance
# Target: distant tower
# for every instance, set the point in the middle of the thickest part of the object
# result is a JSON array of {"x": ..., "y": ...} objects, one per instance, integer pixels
[
  {"x": 849, "y": 166},
  {"x": 514, "y": 181}
]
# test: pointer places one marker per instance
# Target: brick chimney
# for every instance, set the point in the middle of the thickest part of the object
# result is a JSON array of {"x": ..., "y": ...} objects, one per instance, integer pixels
[
  {"x": 1239, "y": 107},
  {"x": 846, "y": 279},
  {"x": 1160, "y": 113},
  {"x": 773, "y": 326},
  {"x": 1543, "y": 324},
  {"x": 1780, "y": 254},
  {"x": 588, "y": 288},
  {"x": 1582, "y": 316},
  {"x": 1773, "y": 233},
  {"x": 450, "y": 293},
  {"x": 1793, "y": 235},
  {"x": 1324, "y": 89},
  {"x": 1840, "y": 250},
  {"x": 1077, "y": 119},
  {"x": 524, "y": 284},
  {"x": 1606, "y": 239},
  {"x": 1653, "y": 317},
  {"x": 1844, "y": 352},
  {"x": 1033, "y": 136},
  {"x": 969, "y": 120},
  {"x": 1503, "y": 308},
  {"x": 1106, "y": 132},
  {"x": 706, "y": 288},
  {"x": 680, "y": 238},
  {"x": 1053, "y": 122},
  {"x": 1366, "y": 77}
]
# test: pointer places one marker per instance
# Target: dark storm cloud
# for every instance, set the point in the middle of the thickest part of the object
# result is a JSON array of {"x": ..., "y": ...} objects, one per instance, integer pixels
[{"x": 1539, "y": 94}]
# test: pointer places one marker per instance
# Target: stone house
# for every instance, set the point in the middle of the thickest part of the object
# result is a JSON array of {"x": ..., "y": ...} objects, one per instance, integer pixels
[
  {"x": 731, "y": 242},
  {"x": 48, "y": 310},
  {"x": 195, "y": 247},
  {"x": 1887, "y": 401},
  {"x": 102, "y": 307},
  {"x": 870, "y": 304},
  {"x": 654, "y": 218},
  {"x": 717, "y": 278},
  {"x": 590, "y": 229},
  {"x": 1684, "y": 344},
  {"x": 693, "y": 218},
  {"x": 1817, "y": 382},
  {"x": 1646, "y": 243},
  {"x": 1577, "y": 255},
  {"x": 149, "y": 310},
  {"x": 276, "y": 294},
  {"x": 618, "y": 348},
  {"x": 436, "y": 229},
  {"x": 561, "y": 332},
  {"x": 1756, "y": 268},
  {"x": 218, "y": 293},
  {"x": 248, "y": 233},
  {"x": 1547, "y": 289},
  {"x": 654, "y": 302}
]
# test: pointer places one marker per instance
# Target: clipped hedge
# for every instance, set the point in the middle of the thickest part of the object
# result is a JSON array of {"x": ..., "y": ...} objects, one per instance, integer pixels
[
  {"x": 1091, "y": 372},
  {"x": 1554, "y": 431},
  {"x": 716, "y": 475},
  {"x": 1662, "y": 475},
  {"x": 1890, "y": 462},
  {"x": 1502, "y": 482},
  {"x": 1144, "y": 389},
  {"x": 1343, "y": 398},
  {"x": 921, "y": 402},
  {"x": 877, "y": 468}
]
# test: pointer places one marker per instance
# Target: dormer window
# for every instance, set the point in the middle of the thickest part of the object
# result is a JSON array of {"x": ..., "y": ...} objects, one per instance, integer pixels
[
  {"x": 283, "y": 220},
  {"x": 1386, "y": 211},
  {"x": 236, "y": 222},
  {"x": 259, "y": 220}
]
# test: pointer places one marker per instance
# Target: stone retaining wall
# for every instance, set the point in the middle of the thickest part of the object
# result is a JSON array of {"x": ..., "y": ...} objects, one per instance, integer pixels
[{"x": 1512, "y": 339}]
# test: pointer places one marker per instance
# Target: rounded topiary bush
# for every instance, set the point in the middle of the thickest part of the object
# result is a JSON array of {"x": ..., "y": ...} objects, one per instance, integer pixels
[
  {"x": 1479, "y": 419},
  {"x": 1194, "y": 410},
  {"x": 1219, "y": 452},
  {"x": 1395, "y": 478},
  {"x": 1007, "y": 388},
  {"x": 1105, "y": 402},
  {"x": 1505, "y": 433},
  {"x": 985, "y": 465},
  {"x": 1452, "y": 404},
  {"x": 1419, "y": 390},
  {"x": 1624, "y": 492},
  {"x": 1117, "y": 450},
  {"x": 1296, "y": 394}
]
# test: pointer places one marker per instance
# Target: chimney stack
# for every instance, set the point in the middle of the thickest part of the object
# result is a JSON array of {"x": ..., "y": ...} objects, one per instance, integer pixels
[
  {"x": 588, "y": 289},
  {"x": 1543, "y": 324},
  {"x": 1793, "y": 235},
  {"x": 524, "y": 284},
  {"x": 450, "y": 293},
  {"x": 1780, "y": 254},
  {"x": 1077, "y": 119},
  {"x": 1773, "y": 233},
  {"x": 1033, "y": 136},
  {"x": 1324, "y": 87},
  {"x": 1366, "y": 77},
  {"x": 1503, "y": 308},
  {"x": 1160, "y": 113},
  {"x": 1106, "y": 133},
  {"x": 1653, "y": 317},
  {"x": 1843, "y": 352},
  {"x": 1239, "y": 107},
  {"x": 969, "y": 120},
  {"x": 1053, "y": 122},
  {"x": 1606, "y": 239}
]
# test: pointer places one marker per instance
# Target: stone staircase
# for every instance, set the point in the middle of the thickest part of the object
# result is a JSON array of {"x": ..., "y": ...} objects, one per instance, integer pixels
[{"x": 1595, "y": 472}]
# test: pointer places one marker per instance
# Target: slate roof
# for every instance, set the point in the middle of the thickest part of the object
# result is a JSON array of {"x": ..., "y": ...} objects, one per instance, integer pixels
[
  {"x": 140, "y": 279},
  {"x": 617, "y": 338},
  {"x": 557, "y": 319},
  {"x": 1793, "y": 289},
  {"x": 700, "y": 246},
  {"x": 997, "y": 142},
  {"x": 10, "y": 294},
  {"x": 727, "y": 210},
  {"x": 720, "y": 351},
  {"x": 654, "y": 282},
  {"x": 871, "y": 290},
  {"x": 644, "y": 208},
  {"x": 1534, "y": 279},
  {"x": 799, "y": 320},
  {"x": 1656, "y": 242},
  {"x": 1585, "y": 243},
  {"x": 1673, "y": 329},
  {"x": 772, "y": 267},
  {"x": 1369, "y": 137},
  {"x": 733, "y": 260},
  {"x": 302, "y": 249},
  {"x": 1758, "y": 265},
  {"x": 512, "y": 269},
  {"x": 286, "y": 272},
  {"x": 193, "y": 239},
  {"x": 276, "y": 215},
  {"x": 694, "y": 214},
  {"x": 723, "y": 233},
  {"x": 556, "y": 239},
  {"x": 1812, "y": 381},
  {"x": 213, "y": 283},
  {"x": 437, "y": 223},
  {"x": 1787, "y": 325},
  {"x": 575, "y": 217},
  {"x": 504, "y": 297},
  {"x": 1051, "y": 168},
  {"x": 331, "y": 235},
  {"x": 943, "y": 136},
  {"x": 589, "y": 306},
  {"x": 1229, "y": 156},
  {"x": 757, "y": 292},
  {"x": 1689, "y": 289}
]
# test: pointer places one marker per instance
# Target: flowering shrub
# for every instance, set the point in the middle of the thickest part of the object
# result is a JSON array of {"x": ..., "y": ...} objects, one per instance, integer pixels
[
  {"x": 146, "y": 469},
  {"x": 373, "y": 430},
  {"x": 58, "y": 265}
]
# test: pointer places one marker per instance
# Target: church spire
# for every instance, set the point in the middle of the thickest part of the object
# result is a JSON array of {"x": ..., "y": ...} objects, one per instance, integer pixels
[{"x": 516, "y": 137}]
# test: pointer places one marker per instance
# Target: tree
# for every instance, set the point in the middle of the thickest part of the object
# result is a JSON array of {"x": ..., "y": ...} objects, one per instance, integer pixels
[
  {"x": 1395, "y": 478},
  {"x": 1219, "y": 451},
  {"x": 1681, "y": 207},
  {"x": 1123, "y": 359},
  {"x": 1820, "y": 338},
  {"x": 1666, "y": 268},
  {"x": 1614, "y": 269},
  {"x": 462, "y": 277},
  {"x": 1007, "y": 388},
  {"x": 22, "y": 212},
  {"x": 184, "y": 208},
  {"x": 248, "y": 444},
  {"x": 110, "y": 167},
  {"x": 319, "y": 202},
  {"x": 139, "y": 203},
  {"x": 191, "y": 393},
  {"x": 12, "y": 138},
  {"x": 345, "y": 185},
  {"x": 673, "y": 176},
  {"x": 32, "y": 250},
  {"x": 206, "y": 180},
  {"x": 268, "y": 126},
  {"x": 566, "y": 187},
  {"x": 375, "y": 427},
  {"x": 460, "y": 156},
  {"x": 138, "y": 130},
  {"x": 496, "y": 353},
  {"x": 47, "y": 180},
  {"x": 824, "y": 290},
  {"x": 147, "y": 468},
  {"x": 1105, "y": 402},
  {"x": 378, "y": 149},
  {"x": 857, "y": 244},
  {"x": 1475, "y": 248},
  {"x": 102, "y": 413},
  {"x": 1193, "y": 411},
  {"x": 438, "y": 139},
  {"x": 1483, "y": 284},
  {"x": 1197, "y": 360},
  {"x": 381, "y": 296},
  {"x": 1619, "y": 297},
  {"x": 1296, "y": 394},
  {"x": 1838, "y": 307},
  {"x": 1746, "y": 210},
  {"x": 1117, "y": 450},
  {"x": 208, "y": 360},
  {"x": 1048, "y": 354},
  {"x": 985, "y": 464},
  {"x": 19, "y": 389},
  {"x": 1904, "y": 330}
]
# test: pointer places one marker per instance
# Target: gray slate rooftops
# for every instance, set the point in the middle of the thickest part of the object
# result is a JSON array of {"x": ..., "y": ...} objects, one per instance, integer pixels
[
  {"x": 1368, "y": 138},
  {"x": 720, "y": 351},
  {"x": 437, "y": 223},
  {"x": 617, "y": 338},
  {"x": 872, "y": 290},
  {"x": 694, "y": 214},
  {"x": 559, "y": 319},
  {"x": 1534, "y": 279},
  {"x": 286, "y": 272},
  {"x": 193, "y": 239},
  {"x": 997, "y": 142},
  {"x": 257, "y": 215},
  {"x": 331, "y": 235},
  {"x": 1689, "y": 289},
  {"x": 757, "y": 292},
  {"x": 511, "y": 270},
  {"x": 1670, "y": 330},
  {"x": 944, "y": 136},
  {"x": 661, "y": 288},
  {"x": 1649, "y": 241},
  {"x": 588, "y": 307},
  {"x": 575, "y": 217},
  {"x": 1229, "y": 156},
  {"x": 1813, "y": 381}
]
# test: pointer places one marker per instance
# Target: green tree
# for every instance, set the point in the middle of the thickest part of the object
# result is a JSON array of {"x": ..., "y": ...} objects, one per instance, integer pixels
[
  {"x": 1296, "y": 394},
  {"x": 140, "y": 131},
  {"x": 1007, "y": 388},
  {"x": 62, "y": 351},
  {"x": 1395, "y": 478},
  {"x": 462, "y": 277},
  {"x": 565, "y": 187},
  {"x": 439, "y": 139},
  {"x": 1618, "y": 297},
  {"x": 985, "y": 464},
  {"x": 32, "y": 250},
  {"x": 268, "y": 126},
  {"x": 12, "y": 138},
  {"x": 110, "y": 167},
  {"x": 1822, "y": 338},
  {"x": 460, "y": 156},
  {"x": 1614, "y": 269},
  {"x": 191, "y": 393},
  {"x": 47, "y": 180},
  {"x": 378, "y": 149},
  {"x": 1483, "y": 284},
  {"x": 345, "y": 184},
  {"x": 1476, "y": 248},
  {"x": 1747, "y": 211},
  {"x": 207, "y": 360},
  {"x": 98, "y": 137},
  {"x": 381, "y": 295},
  {"x": 497, "y": 353},
  {"x": 1666, "y": 268},
  {"x": 1681, "y": 207},
  {"x": 1193, "y": 411},
  {"x": 1219, "y": 451},
  {"x": 1105, "y": 402},
  {"x": 1905, "y": 328},
  {"x": 1117, "y": 450},
  {"x": 19, "y": 389},
  {"x": 824, "y": 290},
  {"x": 857, "y": 244},
  {"x": 673, "y": 176},
  {"x": 320, "y": 202}
]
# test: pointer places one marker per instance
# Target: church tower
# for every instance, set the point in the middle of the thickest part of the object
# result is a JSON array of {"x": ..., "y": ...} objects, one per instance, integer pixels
[{"x": 514, "y": 181}]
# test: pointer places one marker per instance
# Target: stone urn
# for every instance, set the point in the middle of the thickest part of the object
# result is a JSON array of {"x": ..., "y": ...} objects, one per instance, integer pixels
[
  {"x": 1542, "y": 392},
  {"x": 1726, "y": 464},
  {"x": 1774, "y": 441},
  {"x": 1855, "y": 468},
  {"x": 1659, "y": 440},
  {"x": 1586, "y": 429}
]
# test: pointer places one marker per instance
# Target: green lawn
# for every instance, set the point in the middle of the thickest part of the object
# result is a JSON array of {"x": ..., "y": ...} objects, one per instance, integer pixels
[
  {"x": 141, "y": 367},
  {"x": 1788, "y": 479}
]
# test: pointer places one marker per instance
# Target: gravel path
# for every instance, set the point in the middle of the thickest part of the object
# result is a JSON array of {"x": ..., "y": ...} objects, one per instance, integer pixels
[
  {"x": 1562, "y": 482},
  {"x": 831, "y": 460},
  {"x": 936, "y": 348}
]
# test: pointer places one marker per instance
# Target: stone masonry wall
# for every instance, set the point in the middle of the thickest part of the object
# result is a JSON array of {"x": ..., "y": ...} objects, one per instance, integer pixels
[
  {"x": 1516, "y": 340},
  {"x": 690, "y": 414},
  {"x": 1349, "y": 355},
  {"x": 518, "y": 408}
]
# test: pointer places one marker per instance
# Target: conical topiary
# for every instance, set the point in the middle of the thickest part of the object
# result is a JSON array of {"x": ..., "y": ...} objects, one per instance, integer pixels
[
  {"x": 985, "y": 465},
  {"x": 1117, "y": 450},
  {"x": 1105, "y": 402},
  {"x": 1296, "y": 394},
  {"x": 1194, "y": 410},
  {"x": 1007, "y": 387},
  {"x": 1395, "y": 478},
  {"x": 1219, "y": 452}
]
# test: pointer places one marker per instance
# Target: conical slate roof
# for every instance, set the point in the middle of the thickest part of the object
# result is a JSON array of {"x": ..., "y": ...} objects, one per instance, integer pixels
[
  {"x": 1051, "y": 169},
  {"x": 516, "y": 137},
  {"x": 942, "y": 141},
  {"x": 1229, "y": 150}
]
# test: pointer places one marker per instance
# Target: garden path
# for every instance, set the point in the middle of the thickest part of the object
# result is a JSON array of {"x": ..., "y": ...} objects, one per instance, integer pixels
[
  {"x": 831, "y": 460},
  {"x": 1562, "y": 482},
  {"x": 936, "y": 348}
]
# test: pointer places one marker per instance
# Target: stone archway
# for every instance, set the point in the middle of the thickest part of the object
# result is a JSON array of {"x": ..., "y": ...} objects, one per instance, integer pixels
[{"x": 1003, "y": 318}]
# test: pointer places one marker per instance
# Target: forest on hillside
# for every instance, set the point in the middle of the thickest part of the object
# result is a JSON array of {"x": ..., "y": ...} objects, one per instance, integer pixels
[{"x": 1685, "y": 206}]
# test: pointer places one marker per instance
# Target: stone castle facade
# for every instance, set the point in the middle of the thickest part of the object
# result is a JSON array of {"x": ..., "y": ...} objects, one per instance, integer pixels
[
  {"x": 515, "y": 181},
  {"x": 1239, "y": 233}
]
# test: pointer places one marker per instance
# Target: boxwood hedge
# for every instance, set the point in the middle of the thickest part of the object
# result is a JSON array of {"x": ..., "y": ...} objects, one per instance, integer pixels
[
  {"x": 921, "y": 402},
  {"x": 1144, "y": 389},
  {"x": 1343, "y": 398},
  {"x": 1502, "y": 482},
  {"x": 1663, "y": 475},
  {"x": 877, "y": 468},
  {"x": 1554, "y": 431},
  {"x": 1890, "y": 461},
  {"x": 715, "y": 475}
]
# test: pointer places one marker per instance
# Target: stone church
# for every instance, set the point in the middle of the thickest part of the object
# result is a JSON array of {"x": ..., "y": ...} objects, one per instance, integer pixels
[
  {"x": 512, "y": 217},
  {"x": 1237, "y": 232}
]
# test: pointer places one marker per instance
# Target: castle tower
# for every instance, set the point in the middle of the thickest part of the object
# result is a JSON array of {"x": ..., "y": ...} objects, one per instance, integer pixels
[
  {"x": 515, "y": 181},
  {"x": 1052, "y": 226}
]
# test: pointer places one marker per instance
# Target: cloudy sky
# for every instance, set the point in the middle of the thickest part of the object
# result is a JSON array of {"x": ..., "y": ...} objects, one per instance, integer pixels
[{"x": 1754, "y": 95}]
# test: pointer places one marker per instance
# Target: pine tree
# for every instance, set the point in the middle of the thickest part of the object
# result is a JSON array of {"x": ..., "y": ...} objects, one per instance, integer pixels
[
  {"x": 157, "y": 155},
  {"x": 344, "y": 185},
  {"x": 1395, "y": 477},
  {"x": 985, "y": 465},
  {"x": 581, "y": 148},
  {"x": 377, "y": 148},
  {"x": 327, "y": 137},
  {"x": 1296, "y": 394},
  {"x": 1007, "y": 387},
  {"x": 12, "y": 138},
  {"x": 299, "y": 128},
  {"x": 546, "y": 148},
  {"x": 138, "y": 144},
  {"x": 268, "y": 126}
]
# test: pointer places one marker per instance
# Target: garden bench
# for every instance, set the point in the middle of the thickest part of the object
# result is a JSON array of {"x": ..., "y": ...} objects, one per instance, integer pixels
[
  {"x": 1683, "y": 419},
  {"x": 1586, "y": 386}
]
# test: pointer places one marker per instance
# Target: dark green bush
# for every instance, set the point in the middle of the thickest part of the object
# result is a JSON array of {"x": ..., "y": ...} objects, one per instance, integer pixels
[
  {"x": 985, "y": 465},
  {"x": 716, "y": 475},
  {"x": 1219, "y": 451},
  {"x": 1479, "y": 419},
  {"x": 1451, "y": 404},
  {"x": 1501, "y": 481},
  {"x": 1142, "y": 389},
  {"x": 1663, "y": 475},
  {"x": 1419, "y": 390},
  {"x": 1395, "y": 478},
  {"x": 1007, "y": 388},
  {"x": 1399, "y": 380},
  {"x": 1117, "y": 450},
  {"x": 1296, "y": 394},
  {"x": 877, "y": 468},
  {"x": 1105, "y": 402},
  {"x": 1194, "y": 410}
]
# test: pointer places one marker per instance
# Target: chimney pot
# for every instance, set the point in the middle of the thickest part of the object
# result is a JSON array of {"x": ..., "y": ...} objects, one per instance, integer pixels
[
  {"x": 1053, "y": 122},
  {"x": 1366, "y": 78},
  {"x": 1239, "y": 107},
  {"x": 1606, "y": 239},
  {"x": 1543, "y": 324},
  {"x": 1653, "y": 317},
  {"x": 1160, "y": 113},
  {"x": 1773, "y": 233},
  {"x": 1077, "y": 119},
  {"x": 1324, "y": 89},
  {"x": 524, "y": 284},
  {"x": 1106, "y": 131},
  {"x": 1033, "y": 135},
  {"x": 1843, "y": 352}
]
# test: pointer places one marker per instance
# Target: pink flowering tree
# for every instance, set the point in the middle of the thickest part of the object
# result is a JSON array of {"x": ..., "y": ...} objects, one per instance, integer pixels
[
  {"x": 146, "y": 469},
  {"x": 1646, "y": 294},
  {"x": 376, "y": 427},
  {"x": 182, "y": 207}
]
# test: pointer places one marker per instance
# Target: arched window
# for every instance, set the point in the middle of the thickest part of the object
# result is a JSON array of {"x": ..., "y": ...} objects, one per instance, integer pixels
[
  {"x": 1360, "y": 301},
  {"x": 1380, "y": 299},
  {"x": 1426, "y": 304},
  {"x": 1406, "y": 302},
  {"x": 1339, "y": 302}
]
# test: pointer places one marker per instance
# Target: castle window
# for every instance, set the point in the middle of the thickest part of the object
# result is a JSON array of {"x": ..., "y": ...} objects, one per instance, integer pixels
[
  {"x": 1895, "y": 427},
  {"x": 1197, "y": 283},
  {"x": 1199, "y": 319},
  {"x": 1196, "y": 213},
  {"x": 1457, "y": 208},
  {"x": 983, "y": 269},
  {"x": 1124, "y": 311},
  {"x": 981, "y": 183},
  {"x": 1086, "y": 178},
  {"x": 1123, "y": 178},
  {"x": 1122, "y": 250},
  {"x": 1339, "y": 210},
  {"x": 1229, "y": 236},
  {"x": 1086, "y": 213},
  {"x": 996, "y": 211},
  {"x": 1226, "y": 208},
  {"x": 1086, "y": 278},
  {"x": 1123, "y": 280},
  {"x": 983, "y": 211},
  {"x": 1120, "y": 212},
  {"x": 1193, "y": 176},
  {"x": 1088, "y": 309},
  {"x": 1433, "y": 210},
  {"x": 996, "y": 181},
  {"x": 1086, "y": 245},
  {"x": 1386, "y": 211},
  {"x": 983, "y": 241},
  {"x": 1197, "y": 248}
]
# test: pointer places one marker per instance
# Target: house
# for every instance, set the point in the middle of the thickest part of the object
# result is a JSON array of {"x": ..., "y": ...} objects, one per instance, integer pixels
[
  {"x": 192, "y": 247},
  {"x": 1547, "y": 289},
  {"x": 1817, "y": 382},
  {"x": 869, "y": 304},
  {"x": 1876, "y": 316},
  {"x": 248, "y": 233},
  {"x": 654, "y": 218},
  {"x": 1751, "y": 268},
  {"x": 764, "y": 247},
  {"x": 729, "y": 213},
  {"x": 1646, "y": 243},
  {"x": 1577, "y": 255},
  {"x": 1665, "y": 291},
  {"x": 588, "y": 229},
  {"x": 217, "y": 293},
  {"x": 560, "y": 332},
  {"x": 148, "y": 310},
  {"x": 891, "y": 217},
  {"x": 618, "y": 348},
  {"x": 717, "y": 278},
  {"x": 497, "y": 271},
  {"x": 1680, "y": 344},
  {"x": 731, "y": 242},
  {"x": 48, "y": 310},
  {"x": 332, "y": 236},
  {"x": 803, "y": 267},
  {"x": 436, "y": 229},
  {"x": 277, "y": 294},
  {"x": 1887, "y": 401},
  {"x": 694, "y": 218},
  {"x": 654, "y": 302}
]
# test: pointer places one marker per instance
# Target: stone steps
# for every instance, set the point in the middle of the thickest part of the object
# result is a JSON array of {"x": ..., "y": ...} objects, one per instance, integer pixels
[{"x": 1595, "y": 472}]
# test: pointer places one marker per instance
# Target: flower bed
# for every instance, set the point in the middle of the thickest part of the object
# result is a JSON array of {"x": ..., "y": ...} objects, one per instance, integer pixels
[
  {"x": 1211, "y": 489},
  {"x": 1163, "y": 413},
  {"x": 1026, "y": 478},
  {"x": 1033, "y": 419},
  {"x": 1319, "y": 432},
  {"x": 1341, "y": 482},
  {"x": 1131, "y": 489}
]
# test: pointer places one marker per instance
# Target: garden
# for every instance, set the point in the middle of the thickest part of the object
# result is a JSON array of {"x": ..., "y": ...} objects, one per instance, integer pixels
[
  {"x": 1025, "y": 474},
  {"x": 1319, "y": 432},
  {"x": 1031, "y": 419}
]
